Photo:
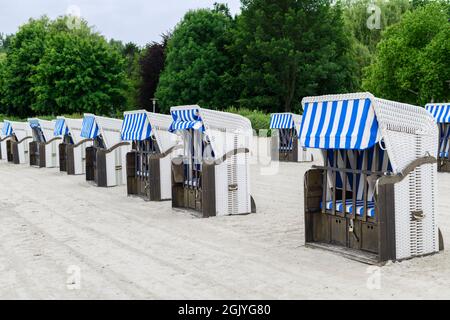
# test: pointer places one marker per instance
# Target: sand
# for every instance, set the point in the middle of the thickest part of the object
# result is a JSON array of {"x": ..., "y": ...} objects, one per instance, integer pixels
[{"x": 53, "y": 225}]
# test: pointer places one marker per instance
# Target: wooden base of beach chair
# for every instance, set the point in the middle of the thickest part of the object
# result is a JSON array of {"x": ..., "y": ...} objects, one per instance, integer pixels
[
  {"x": 96, "y": 166},
  {"x": 15, "y": 152},
  {"x": 369, "y": 240},
  {"x": 200, "y": 200},
  {"x": 37, "y": 154},
  {"x": 283, "y": 155},
  {"x": 70, "y": 159},
  {"x": 99, "y": 168},
  {"x": 147, "y": 185},
  {"x": 291, "y": 155},
  {"x": 62, "y": 157},
  {"x": 443, "y": 165},
  {"x": 90, "y": 163},
  {"x": 9, "y": 151}
]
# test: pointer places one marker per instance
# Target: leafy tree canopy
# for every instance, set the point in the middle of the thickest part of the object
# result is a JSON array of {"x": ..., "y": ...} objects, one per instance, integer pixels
[
  {"x": 291, "y": 49},
  {"x": 412, "y": 62},
  {"x": 367, "y": 18},
  {"x": 25, "y": 49},
  {"x": 78, "y": 72},
  {"x": 151, "y": 65},
  {"x": 196, "y": 60}
]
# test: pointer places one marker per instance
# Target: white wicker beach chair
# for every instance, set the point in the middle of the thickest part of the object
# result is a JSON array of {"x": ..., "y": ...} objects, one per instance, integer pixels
[
  {"x": 441, "y": 113},
  {"x": 5, "y": 146},
  {"x": 374, "y": 198},
  {"x": 106, "y": 158},
  {"x": 72, "y": 149},
  {"x": 2, "y": 143},
  {"x": 44, "y": 149},
  {"x": 17, "y": 137},
  {"x": 212, "y": 175},
  {"x": 149, "y": 161},
  {"x": 284, "y": 143}
]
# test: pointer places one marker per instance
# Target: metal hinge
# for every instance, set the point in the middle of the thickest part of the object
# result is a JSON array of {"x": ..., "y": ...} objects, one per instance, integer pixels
[{"x": 418, "y": 215}]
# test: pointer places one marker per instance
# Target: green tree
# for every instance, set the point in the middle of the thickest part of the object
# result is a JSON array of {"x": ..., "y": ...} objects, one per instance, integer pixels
[
  {"x": 131, "y": 53},
  {"x": 5, "y": 40},
  {"x": 367, "y": 18},
  {"x": 25, "y": 49},
  {"x": 3, "y": 108},
  {"x": 412, "y": 62},
  {"x": 196, "y": 60},
  {"x": 151, "y": 65},
  {"x": 78, "y": 72},
  {"x": 291, "y": 49}
]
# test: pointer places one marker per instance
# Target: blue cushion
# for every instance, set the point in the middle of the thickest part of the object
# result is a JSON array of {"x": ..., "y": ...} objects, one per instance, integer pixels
[{"x": 349, "y": 207}]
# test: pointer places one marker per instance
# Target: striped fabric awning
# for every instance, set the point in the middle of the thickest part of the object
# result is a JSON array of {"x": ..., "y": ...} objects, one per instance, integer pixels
[
  {"x": 7, "y": 129},
  {"x": 281, "y": 121},
  {"x": 89, "y": 128},
  {"x": 440, "y": 112},
  {"x": 344, "y": 124},
  {"x": 61, "y": 128},
  {"x": 186, "y": 119},
  {"x": 135, "y": 127},
  {"x": 34, "y": 123}
]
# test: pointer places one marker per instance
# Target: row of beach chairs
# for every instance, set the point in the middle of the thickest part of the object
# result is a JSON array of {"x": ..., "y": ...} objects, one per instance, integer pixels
[{"x": 373, "y": 198}]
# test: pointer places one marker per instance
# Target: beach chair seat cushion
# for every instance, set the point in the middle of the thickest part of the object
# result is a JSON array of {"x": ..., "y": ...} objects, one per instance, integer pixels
[
  {"x": 286, "y": 148},
  {"x": 443, "y": 154},
  {"x": 142, "y": 174},
  {"x": 192, "y": 183},
  {"x": 349, "y": 207}
]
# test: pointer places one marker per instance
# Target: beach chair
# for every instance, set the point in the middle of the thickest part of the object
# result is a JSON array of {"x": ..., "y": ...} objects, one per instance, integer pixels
[
  {"x": 17, "y": 141},
  {"x": 284, "y": 143},
  {"x": 2, "y": 143},
  {"x": 374, "y": 198},
  {"x": 72, "y": 149},
  {"x": 5, "y": 147},
  {"x": 441, "y": 113},
  {"x": 149, "y": 161},
  {"x": 106, "y": 158},
  {"x": 212, "y": 175},
  {"x": 44, "y": 149}
]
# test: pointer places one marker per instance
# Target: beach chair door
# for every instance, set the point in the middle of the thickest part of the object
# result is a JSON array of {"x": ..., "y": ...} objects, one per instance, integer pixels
[
  {"x": 34, "y": 156},
  {"x": 90, "y": 163},
  {"x": 9, "y": 151},
  {"x": 42, "y": 161},
  {"x": 62, "y": 157},
  {"x": 193, "y": 169}
]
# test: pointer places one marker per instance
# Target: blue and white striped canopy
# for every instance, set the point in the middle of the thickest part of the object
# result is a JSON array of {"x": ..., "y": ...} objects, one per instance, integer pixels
[
  {"x": 7, "y": 129},
  {"x": 136, "y": 127},
  {"x": 34, "y": 123},
  {"x": 186, "y": 119},
  {"x": 344, "y": 124},
  {"x": 61, "y": 128},
  {"x": 440, "y": 112},
  {"x": 281, "y": 121},
  {"x": 89, "y": 128}
]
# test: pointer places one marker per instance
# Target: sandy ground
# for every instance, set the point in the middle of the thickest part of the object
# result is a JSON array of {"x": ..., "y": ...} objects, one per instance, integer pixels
[{"x": 53, "y": 225}]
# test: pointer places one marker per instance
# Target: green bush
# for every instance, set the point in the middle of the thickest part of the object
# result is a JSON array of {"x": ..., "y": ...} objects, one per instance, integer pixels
[
  {"x": 11, "y": 118},
  {"x": 259, "y": 119},
  {"x": 14, "y": 118}
]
